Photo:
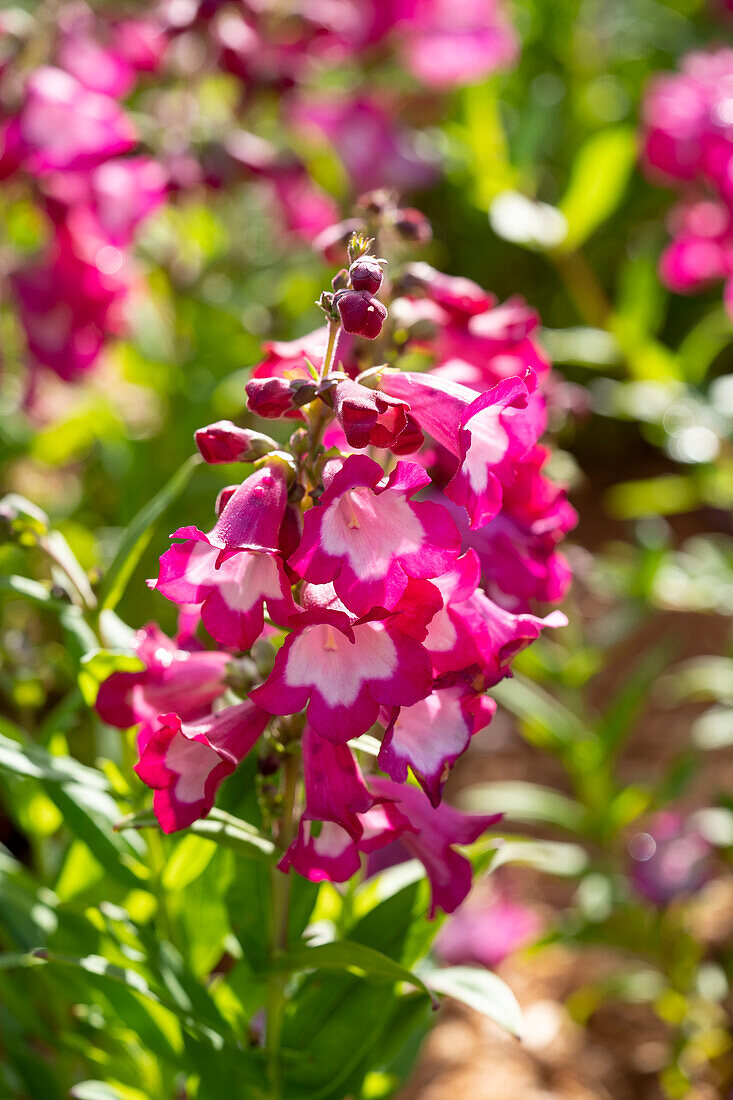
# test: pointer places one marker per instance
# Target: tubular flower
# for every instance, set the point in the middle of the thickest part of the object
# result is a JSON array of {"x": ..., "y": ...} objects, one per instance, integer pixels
[
  {"x": 486, "y": 434},
  {"x": 368, "y": 536},
  {"x": 430, "y": 735},
  {"x": 344, "y": 670},
  {"x": 186, "y": 762},
  {"x": 184, "y": 680},
  {"x": 370, "y": 418},
  {"x": 433, "y": 834},
  {"x": 237, "y": 568}
]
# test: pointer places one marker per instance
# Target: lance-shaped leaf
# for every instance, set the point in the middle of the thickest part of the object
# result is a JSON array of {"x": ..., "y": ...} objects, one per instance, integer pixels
[
  {"x": 482, "y": 991},
  {"x": 138, "y": 534}
]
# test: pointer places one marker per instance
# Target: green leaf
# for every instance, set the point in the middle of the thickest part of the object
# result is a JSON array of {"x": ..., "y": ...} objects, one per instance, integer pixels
[
  {"x": 482, "y": 991},
  {"x": 90, "y": 816},
  {"x": 138, "y": 534},
  {"x": 102, "y": 1090},
  {"x": 619, "y": 716},
  {"x": 356, "y": 958},
  {"x": 189, "y": 859},
  {"x": 219, "y": 826},
  {"x": 525, "y": 802},
  {"x": 79, "y": 634},
  {"x": 598, "y": 180},
  {"x": 36, "y": 762},
  {"x": 250, "y": 911},
  {"x": 554, "y": 857},
  {"x": 486, "y": 140},
  {"x": 540, "y": 711},
  {"x": 98, "y": 971}
]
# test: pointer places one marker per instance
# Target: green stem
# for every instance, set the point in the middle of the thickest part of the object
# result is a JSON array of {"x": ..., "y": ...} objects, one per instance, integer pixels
[
  {"x": 280, "y": 893},
  {"x": 333, "y": 330},
  {"x": 583, "y": 287}
]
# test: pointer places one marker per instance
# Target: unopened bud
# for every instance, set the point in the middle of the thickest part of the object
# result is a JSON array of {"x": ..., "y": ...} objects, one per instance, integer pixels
[
  {"x": 361, "y": 314},
  {"x": 366, "y": 274},
  {"x": 326, "y": 303},
  {"x": 376, "y": 204},
  {"x": 331, "y": 242},
  {"x": 340, "y": 281},
  {"x": 225, "y": 442},
  {"x": 272, "y": 398}
]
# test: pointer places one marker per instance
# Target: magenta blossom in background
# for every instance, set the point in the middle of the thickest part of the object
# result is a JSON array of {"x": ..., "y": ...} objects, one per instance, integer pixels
[
  {"x": 375, "y": 150},
  {"x": 671, "y": 860},
  {"x": 688, "y": 143},
  {"x": 485, "y": 931},
  {"x": 450, "y": 43}
]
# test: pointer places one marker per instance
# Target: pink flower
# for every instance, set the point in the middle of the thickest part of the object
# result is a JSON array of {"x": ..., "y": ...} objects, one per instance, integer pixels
[
  {"x": 688, "y": 139},
  {"x": 450, "y": 43},
  {"x": 371, "y": 418},
  {"x": 471, "y": 629},
  {"x": 186, "y": 681},
  {"x": 237, "y": 568},
  {"x": 487, "y": 434},
  {"x": 328, "y": 852},
  {"x": 486, "y": 932},
  {"x": 518, "y": 549},
  {"x": 460, "y": 297},
  {"x": 344, "y": 671},
  {"x": 64, "y": 125},
  {"x": 368, "y": 536},
  {"x": 186, "y": 763},
  {"x": 334, "y": 787},
  {"x": 670, "y": 860},
  {"x": 476, "y": 342},
  {"x": 374, "y": 150},
  {"x": 430, "y": 735},
  {"x": 306, "y": 209},
  {"x": 702, "y": 249},
  {"x": 435, "y": 830}
]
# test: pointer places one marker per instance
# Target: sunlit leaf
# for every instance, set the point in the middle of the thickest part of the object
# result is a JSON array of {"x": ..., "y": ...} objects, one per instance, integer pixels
[{"x": 482, "y": 991}]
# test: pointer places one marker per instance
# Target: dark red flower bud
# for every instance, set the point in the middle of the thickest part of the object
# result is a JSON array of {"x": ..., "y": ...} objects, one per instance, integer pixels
[
  {"x": 410, "y": 438},
  {"x": 225, "y": 442},
  {"x": 360, "y": 313},
  {"x": 366, "y": 274},
  {"x": 412, "y": 225},
  {"x": 332, "y": 243},
  {"x": 368, "y": 416},
  {"x": 272, "y": 398}
]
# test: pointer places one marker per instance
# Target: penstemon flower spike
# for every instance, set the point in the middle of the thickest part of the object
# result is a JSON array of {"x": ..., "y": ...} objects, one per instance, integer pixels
[{"x": 348, "y": 588}]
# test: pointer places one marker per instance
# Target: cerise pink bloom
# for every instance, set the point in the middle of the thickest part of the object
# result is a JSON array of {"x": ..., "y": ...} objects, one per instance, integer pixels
[
  {"x": 237, "y": 567},
  {"x": 486, "y": 434},
  {"x": 344, "y": 670},
  {"x": 186, "y": 762},
  {"x": 368, "y": 536}
]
